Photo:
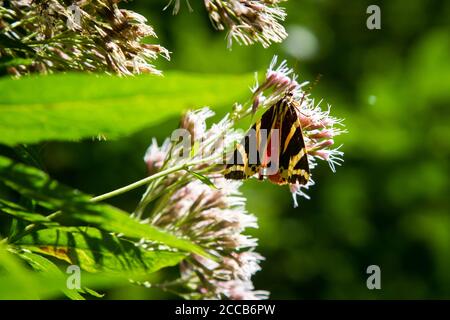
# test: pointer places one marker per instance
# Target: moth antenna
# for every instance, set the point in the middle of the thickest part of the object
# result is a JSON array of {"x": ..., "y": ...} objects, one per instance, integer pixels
[
  {"x": 306, "y": 92},
  {"x": 316, "y": 81}
]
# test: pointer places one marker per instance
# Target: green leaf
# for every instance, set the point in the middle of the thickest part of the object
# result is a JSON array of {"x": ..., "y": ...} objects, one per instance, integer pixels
[
  {"x": 17, "y": 211},
  {"x": 203, "y": 179},
  {"x": 76, "y": 106},
  {"x": 97, "y": 251},
  {"x": 93, "y": 293},
  {"x": 19, "y": 282},
  {"x": 77, "y": 206},
  {"x": 39, "y": 263}
]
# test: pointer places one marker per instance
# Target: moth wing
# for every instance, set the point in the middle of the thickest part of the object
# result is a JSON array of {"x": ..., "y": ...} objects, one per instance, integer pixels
[
  {"x": 249, "y": 154},
  {"x": 293, "y": 162}
]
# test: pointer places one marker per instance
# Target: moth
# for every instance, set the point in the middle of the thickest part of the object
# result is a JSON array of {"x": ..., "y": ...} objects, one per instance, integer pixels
[{"x": 275, "y": 141}]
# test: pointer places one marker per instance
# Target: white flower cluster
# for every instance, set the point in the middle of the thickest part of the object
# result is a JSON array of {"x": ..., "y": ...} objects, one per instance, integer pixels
[
  {"x": 212, "y": 217},
  {"x": 247, "y": 21},
  {"x": 198, "y": 203},
  {"x": 94, "y": 36},
  {"x": 318, "y": 126}
]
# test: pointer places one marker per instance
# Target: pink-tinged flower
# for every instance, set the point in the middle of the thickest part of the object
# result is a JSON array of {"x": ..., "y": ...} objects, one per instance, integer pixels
[
  {"x": 319, "y": 127},
  {"x": 94, "y": 36},
  {"x": 242, "y": 290},
  {"x": 214, "y": 218},
  {"x": 247, "y": 21},
  {"x": 155, "y": 156},
  {"x": 278, "y": 81},
  {"x": 195, "y": 122},
  {"x": 210, "y": 210},
  {"x": 319, "y": 130}
]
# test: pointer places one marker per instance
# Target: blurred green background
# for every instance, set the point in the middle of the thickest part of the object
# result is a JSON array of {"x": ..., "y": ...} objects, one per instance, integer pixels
[{"x": 388, "y": 205}]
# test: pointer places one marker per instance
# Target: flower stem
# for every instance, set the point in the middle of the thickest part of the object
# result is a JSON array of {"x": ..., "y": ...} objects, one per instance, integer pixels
[
  {"x": 146, "y": 180},
  {"x": 127, "y": 188},
  {"x": 31, "y": 227}
]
